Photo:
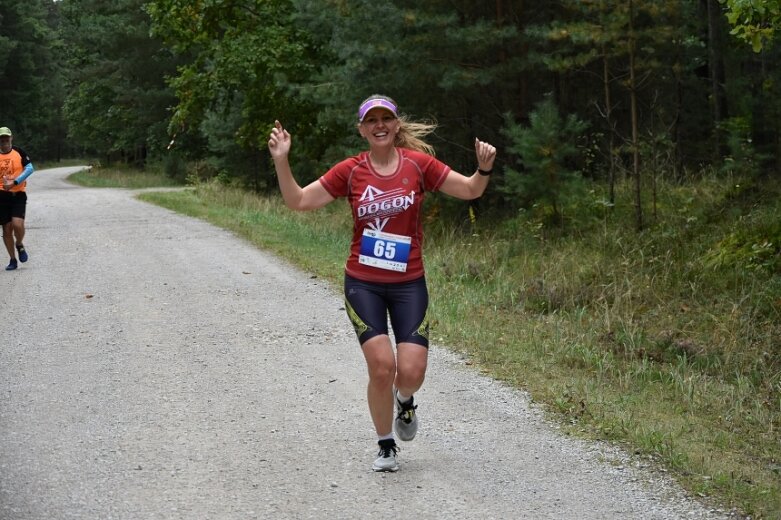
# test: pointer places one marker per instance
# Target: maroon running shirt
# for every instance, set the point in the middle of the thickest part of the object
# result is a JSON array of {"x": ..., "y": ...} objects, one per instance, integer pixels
[{"x": 387, "y": 232}]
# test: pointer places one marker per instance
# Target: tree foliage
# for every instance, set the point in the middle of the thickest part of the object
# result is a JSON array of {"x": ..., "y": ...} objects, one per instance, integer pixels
[
  {"x": 543, "y": 157},
  {"x": 203, "y": 80},
  {"x": 243, "y": 55},
  {"x": 30, "y": 73},
  {"x": 755, "y": 22},
  {"x": 117, "y": 106}
]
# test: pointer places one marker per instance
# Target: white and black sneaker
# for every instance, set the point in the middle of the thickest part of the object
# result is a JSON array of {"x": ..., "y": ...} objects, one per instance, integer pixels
[
  {"x": 386, "y": 458},
  {"x": 406, "y": 423}
]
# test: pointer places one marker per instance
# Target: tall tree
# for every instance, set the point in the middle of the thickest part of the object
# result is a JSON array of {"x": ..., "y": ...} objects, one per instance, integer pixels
[
  {"x": 118, "y": 101},
  {"x": 594, "y": 32},
  {"x": 716, "y": 70},
  {"x": 632, "y": 86},
  {"x": 29, "y": 75},
  {"x": 637, "y": 45},
  {"x": 242, "y": 57}
]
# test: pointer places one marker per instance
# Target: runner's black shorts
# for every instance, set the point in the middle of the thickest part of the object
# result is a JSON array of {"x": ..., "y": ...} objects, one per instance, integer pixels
[
  {"x": 12, "y": 205},
  {"x": 369, "y": 304}
]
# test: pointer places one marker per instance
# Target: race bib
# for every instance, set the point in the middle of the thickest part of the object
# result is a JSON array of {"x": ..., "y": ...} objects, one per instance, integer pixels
[{"x": 384, "y": 250}]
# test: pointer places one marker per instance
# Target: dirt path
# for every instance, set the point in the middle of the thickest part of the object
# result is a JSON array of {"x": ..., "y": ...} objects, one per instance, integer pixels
[{"x": 154, "y": 366}]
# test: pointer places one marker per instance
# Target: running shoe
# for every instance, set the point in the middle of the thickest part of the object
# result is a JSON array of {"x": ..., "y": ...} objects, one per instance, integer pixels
[
  {"x": 22, "y": 253},
  {"x": 406, "y": 423},
  {"x": 12, "y": 265},
  {"x": 386, "y": 458}
]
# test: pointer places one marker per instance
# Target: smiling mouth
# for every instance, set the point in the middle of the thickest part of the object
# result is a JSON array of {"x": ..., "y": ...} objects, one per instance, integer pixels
[{"x": 381, "y": 134}]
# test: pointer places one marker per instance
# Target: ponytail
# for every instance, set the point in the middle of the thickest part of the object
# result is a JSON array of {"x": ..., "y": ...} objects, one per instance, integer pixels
[{"x": 411, "y": 134}]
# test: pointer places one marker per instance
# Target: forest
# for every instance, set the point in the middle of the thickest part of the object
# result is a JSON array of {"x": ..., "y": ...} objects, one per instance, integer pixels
[
  {"x": 624, "y": 264},
  {"x": 568, "y": 91}
]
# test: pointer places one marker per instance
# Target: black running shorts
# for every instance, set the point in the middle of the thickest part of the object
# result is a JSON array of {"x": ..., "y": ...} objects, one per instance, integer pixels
[
  {"x": 369, "y": 304},
  {"x": 12, "y": 205}
]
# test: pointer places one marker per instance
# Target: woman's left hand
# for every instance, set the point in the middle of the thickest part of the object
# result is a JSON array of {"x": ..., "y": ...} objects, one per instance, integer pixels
[{"x": 485, "y": 155}]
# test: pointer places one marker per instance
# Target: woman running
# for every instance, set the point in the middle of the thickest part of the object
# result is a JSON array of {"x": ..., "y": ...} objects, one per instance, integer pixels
[{"x": 384, "y": 274}]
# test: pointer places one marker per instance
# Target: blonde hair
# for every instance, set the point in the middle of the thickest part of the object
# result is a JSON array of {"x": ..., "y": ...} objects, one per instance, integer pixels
[{"x": 411, "y": 133}]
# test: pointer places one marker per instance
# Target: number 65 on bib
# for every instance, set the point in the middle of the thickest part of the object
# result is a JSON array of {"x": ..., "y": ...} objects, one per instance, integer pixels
[{"x": 385, "y": 250}]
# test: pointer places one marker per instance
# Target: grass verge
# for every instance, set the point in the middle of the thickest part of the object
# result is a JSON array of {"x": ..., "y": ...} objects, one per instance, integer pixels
[
  {"x": 664, "y": 340},
  {"x": 122, "y": 177},
  {"x": 60, "y": 164}
]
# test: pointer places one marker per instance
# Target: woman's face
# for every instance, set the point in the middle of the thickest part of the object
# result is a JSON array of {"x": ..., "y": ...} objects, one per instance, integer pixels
[{"x": 379, "y": 127}]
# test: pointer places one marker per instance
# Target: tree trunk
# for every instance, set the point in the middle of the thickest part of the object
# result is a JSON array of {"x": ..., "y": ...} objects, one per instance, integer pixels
[
  {"x": 523, "y": 84},
  {"x": 716, "y": 69},
  {"x": 553, "y": 182},
  {"x": 676, "y": 130},
  {"x": 610, "y": 127},
  {"x": 654, "y": 156},
  {"x": 635, "y": 138}
]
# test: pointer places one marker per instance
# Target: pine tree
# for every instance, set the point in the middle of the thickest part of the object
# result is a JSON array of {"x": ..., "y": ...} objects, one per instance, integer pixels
[{"x": 543, "y": 151}]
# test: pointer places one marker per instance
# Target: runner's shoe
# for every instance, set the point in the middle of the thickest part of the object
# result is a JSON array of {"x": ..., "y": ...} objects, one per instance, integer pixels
[
  {"x": 11, "y": 265},
  {"x": 386, "y": 458},
  {"x": 22, "y": 253},
  {"x": 406, "y": 423}
]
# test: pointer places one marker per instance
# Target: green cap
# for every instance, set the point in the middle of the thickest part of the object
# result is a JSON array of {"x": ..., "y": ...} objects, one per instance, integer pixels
[{"x": 5, "y": 131}]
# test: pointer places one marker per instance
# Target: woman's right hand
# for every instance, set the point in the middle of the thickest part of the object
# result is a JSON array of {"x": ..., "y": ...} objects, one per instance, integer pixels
[{"x": 279, "y": 141}]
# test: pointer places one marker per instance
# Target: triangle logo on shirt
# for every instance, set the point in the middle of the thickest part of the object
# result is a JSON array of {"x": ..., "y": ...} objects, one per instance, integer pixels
[{"x": 370, "y": 193}]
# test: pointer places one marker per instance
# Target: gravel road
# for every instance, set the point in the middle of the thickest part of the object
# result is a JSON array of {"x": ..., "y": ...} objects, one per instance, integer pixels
[{"x": 153, "y": 366}]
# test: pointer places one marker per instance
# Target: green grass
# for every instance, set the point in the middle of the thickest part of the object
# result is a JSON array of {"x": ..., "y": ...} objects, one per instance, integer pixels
[
  {"x": 121, "y": 177},
  {"x": 60, "y": 164},
  {"x": 665, "y": 340}
]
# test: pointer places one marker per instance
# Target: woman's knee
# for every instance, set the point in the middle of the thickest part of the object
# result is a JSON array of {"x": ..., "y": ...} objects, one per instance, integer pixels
[
  {"x": 411, "y": 374},
  {"x": 412, "y": 364},
  {"x": 380, "y": 360},
  {"x": 383, "y": 372}
]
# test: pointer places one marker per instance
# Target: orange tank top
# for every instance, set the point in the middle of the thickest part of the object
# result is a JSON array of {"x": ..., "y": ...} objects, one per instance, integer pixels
[{"x": 12, "y": 165}]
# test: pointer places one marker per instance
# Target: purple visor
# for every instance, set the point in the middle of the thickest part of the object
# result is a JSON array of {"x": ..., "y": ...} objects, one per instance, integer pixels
[{"x": 374, "y": 103}]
